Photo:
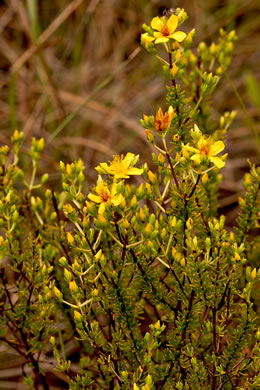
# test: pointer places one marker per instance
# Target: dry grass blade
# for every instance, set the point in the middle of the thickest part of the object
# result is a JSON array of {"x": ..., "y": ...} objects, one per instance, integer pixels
[
  {"x": 98, "y": 88},
  {"x": 46, "y": 35}
]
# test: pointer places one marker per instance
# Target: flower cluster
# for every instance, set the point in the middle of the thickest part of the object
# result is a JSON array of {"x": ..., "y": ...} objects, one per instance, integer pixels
[
  {"x": 105, "y": 195},
  {"x": 119, "y": 168}
]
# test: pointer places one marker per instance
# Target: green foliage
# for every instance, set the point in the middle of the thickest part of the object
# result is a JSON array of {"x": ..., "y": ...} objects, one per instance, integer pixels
[{"x": 146, "y": 280}]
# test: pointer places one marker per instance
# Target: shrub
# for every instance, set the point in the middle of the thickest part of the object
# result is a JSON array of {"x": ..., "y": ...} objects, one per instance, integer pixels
[{"x": 145, "y": 281}]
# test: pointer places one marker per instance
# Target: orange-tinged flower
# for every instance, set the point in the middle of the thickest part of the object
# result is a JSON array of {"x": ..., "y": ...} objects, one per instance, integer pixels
[
  {"x": 163, "y": 121},
  {"x": 166, "y": 29},
  {"x": 105, "y": 195},
  {"x": 121, "y": 167},
  {"x": 206, "y": 148}
]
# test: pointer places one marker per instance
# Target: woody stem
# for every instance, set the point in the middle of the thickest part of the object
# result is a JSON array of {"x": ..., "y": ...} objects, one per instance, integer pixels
[
  {"x": 170, "y": 162},
  {"x": 170, "y": 66},
  {"x": 175, "y": 87}
]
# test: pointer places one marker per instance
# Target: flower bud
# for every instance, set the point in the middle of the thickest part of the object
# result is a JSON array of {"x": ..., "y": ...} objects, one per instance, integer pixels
[
  {"x": 189, "y": 223},
  {"x": 126, "y": 224},
  {"x": 77, "y": 315},
  {"x": 73, "y": 286},
  {"x": 67, "y": 275},
  {"x": 142, "y": 214},
  {"x": 152, "y": 177},
  {"x": 161, "y": 158},
  {"x": 133, "y": 202},
  {"x": 253, "y": 274},
  {"x": 148, "y": 228},
  {"x": 205, "y": 178},
  {"x": 98, "y": 255},
  {"x": 70, "y": 238},
  {"x": 148, "y": 188},
  {"x": 63, "y": 261},
  {"x": 58, "y": 294},
  {"x": 173, "y": 71}
]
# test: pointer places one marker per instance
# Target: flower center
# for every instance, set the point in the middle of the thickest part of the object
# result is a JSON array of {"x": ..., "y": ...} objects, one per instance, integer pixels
[
  {"x": 205, "y": 149},
  {"x": 165, "y": 30},
  {"x": 117, "y": 165},
  {"x": 105, "y": 195}
]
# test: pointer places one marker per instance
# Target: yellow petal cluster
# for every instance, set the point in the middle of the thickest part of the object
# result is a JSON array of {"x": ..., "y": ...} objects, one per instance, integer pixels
[
  {"x": 206, "y": 148},
  {"x": 106, "y": 195},
  {"x": 121, "y": 167}
]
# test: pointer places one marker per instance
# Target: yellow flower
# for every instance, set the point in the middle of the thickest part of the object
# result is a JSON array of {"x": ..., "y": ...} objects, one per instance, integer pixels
[
  {"x": 121, "y": 167},
  {"x": 162, "y": 121},
  {"x": 105, "y": 195},
  {"x": 166, "y": 29},
  {"x": 206, "y": 148}
]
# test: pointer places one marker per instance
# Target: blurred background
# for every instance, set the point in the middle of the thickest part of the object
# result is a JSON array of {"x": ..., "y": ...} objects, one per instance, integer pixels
[{"x": 86, "y": 84}]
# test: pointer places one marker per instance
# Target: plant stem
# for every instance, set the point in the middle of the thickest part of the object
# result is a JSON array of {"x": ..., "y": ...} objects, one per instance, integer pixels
[{"x": 169, "y": 160}]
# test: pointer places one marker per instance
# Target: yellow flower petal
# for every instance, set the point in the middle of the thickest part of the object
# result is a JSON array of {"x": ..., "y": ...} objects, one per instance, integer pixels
[
  {"x": 104, "y": 166},
  {"x": 196, "y": 158},
  {"x": 147, "y": 37},
  {"x": 216, "y": 148},
  {"x": 190, "y": 148},
  {"x": 135, "y": 171},
  {"x": 217, "y": 161},
  {"x": 202, "y": 143},
  {"x": 162, "y": 39},
  {"x": 172, "y": 23},
  {"x": 94, "y": 198},
  {"x": 128, "y": 159},
  {"x": 117, "y": 199},
  {"x": 156, "y": 23},
  {"x": 121, "y": 167},
  {"x": 179, "y": 36},
  {"x": 101, "y": 208}
]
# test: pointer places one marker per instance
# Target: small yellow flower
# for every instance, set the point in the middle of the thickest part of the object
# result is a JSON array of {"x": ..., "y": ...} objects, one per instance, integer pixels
[
  {"x": 166, "y": 29},
  {"x": 105, "y": 195},
  {"x": 206, "y": 148},
  {"x": 121, "y": 167},
  {"x": 162, "y": 121}
]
